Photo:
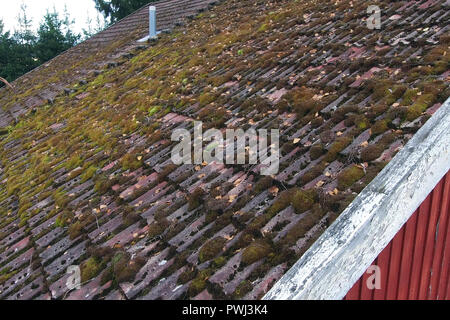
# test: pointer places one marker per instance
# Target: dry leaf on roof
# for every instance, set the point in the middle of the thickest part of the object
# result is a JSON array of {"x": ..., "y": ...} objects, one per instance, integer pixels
[
  {"x": 274, "y": 190},
  {"x": 334, "y": 192}
]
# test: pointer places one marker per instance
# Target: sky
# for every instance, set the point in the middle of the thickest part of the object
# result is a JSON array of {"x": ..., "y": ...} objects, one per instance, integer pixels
[{"x": 79, "y": 10}]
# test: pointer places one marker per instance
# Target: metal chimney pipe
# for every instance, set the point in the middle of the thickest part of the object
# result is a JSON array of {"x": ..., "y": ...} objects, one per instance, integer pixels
[{"x": 152, "y": 22}]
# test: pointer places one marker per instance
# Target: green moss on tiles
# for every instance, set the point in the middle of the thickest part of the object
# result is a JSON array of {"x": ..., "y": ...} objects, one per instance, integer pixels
[
  {"x": 422, "y": 103},
  {"x": 152, "y": 111},
  {"x": 103, "y": 184},
  {"x": 394, "y": 93},
  {"x": 317, "y": 122},
  {"x": 158, "y": 227},
  {"x": 380, "y": 127},
  {"x": 339, "y": 145},
  {"x": 122, "y": 268},
  {"x": 199, "y": 283},
  {"x": 211, "y": 249},
  {"x": 64, "y": 219},
  {"x": 75, "y": 230},
  {"x": 242, "y": 289},
  {"x": 61, "y": 198},
  {"x": 263, "y": 184},
  {"x": 372, "y": 152},
  {"x": 317, "y": 151},
  {"x": 90, "y": 269},
  {"x": 409, "y": 96},
  {"x": 380, "y": 88},
  {"x": 301, "y": 101},
  {"x": 349, "y": 176},
  {"x": 440, "y": 67},
  {"x": 73, "y": 162},
  {"x": 300, "y": 229},
  {"x": 438, "y": 53},
  {"x": 303, "y": 200},
  {"x": 189, "y": 274},
  {"x": 88, "y": 173},
  {"x": 361, "y": 122},
  {"x": 6, "y": 274},
  {"x": 263, "y": 28},
  {"x": 195, "y": 199},
  {"x": 256, "y": 251},
  {"x": 131, "y": 161},
  {"x": 219, "y": 262},
  {"x": 206, "y": 98},
  {"x": 282, "y": 202},
  {"x": 313, "y": 173}
]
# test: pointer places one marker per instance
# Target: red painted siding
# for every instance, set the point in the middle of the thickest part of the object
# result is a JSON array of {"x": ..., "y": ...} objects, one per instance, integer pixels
[{"x": 415, "y": 265}]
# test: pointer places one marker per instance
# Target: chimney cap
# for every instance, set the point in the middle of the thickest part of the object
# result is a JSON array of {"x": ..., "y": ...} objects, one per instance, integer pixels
[{"x": 153, "y": 33}]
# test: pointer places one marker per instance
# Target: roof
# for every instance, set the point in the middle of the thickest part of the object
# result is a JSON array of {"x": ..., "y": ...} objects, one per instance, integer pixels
[
  {"x": 90, "y": 57},
  {"x": 86, "y": 172}
]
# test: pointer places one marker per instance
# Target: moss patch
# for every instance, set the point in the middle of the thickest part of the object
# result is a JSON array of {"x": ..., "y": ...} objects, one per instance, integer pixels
[
  {"x": 211, "y": 249},
  {"x": 199, "y": 283},
  {"x": 255, "y": 252},
  {"x": 349, "y": 176},
  {"x": 303, "y": 200},
  {"x": 316, "y": 151},
  {"x": 339, "y": 145},
  {"x": 196, "y": 199},
  {"x": 379, "y": 127},
  {"x": 372, "y": 152},
  {"x": 420, "y": 106}
]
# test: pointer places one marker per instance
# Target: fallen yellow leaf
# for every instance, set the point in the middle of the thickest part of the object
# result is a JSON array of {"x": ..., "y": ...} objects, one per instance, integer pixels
[
  {"x": 274, "y": 190},
  {"x": 319, "y": 184}
]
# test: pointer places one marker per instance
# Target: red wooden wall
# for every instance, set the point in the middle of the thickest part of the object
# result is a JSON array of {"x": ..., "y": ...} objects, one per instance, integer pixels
[{"x": 415, "y": 265}]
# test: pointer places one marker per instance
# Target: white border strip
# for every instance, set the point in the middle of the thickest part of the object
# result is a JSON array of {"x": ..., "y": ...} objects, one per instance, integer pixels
[{"x": 335, "y": 262}]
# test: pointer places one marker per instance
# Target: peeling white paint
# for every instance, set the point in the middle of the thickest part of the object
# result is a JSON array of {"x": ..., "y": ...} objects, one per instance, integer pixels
[{"x": 330, "y": 268}]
